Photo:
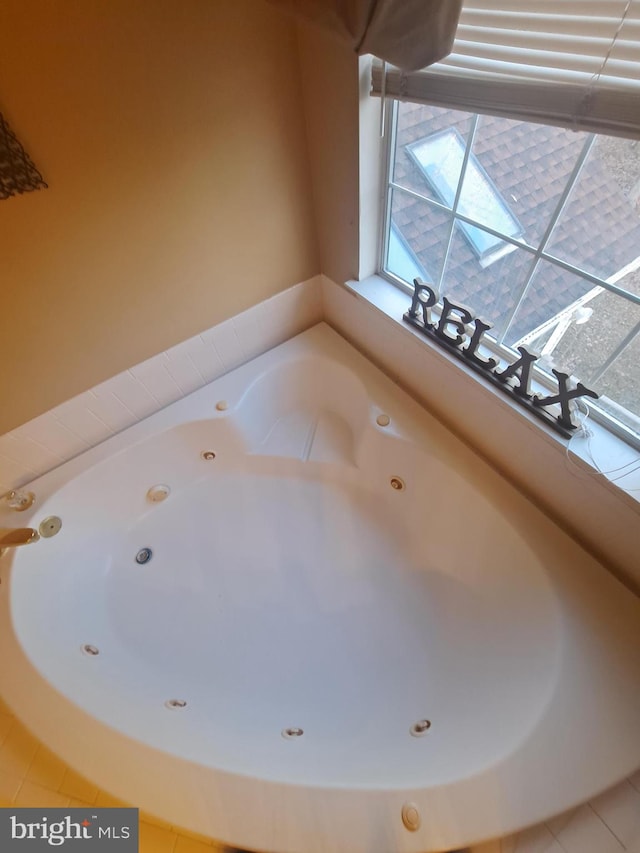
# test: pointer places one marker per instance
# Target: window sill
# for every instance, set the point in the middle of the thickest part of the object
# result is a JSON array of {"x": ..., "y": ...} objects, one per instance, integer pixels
[{"x": 603, "y": 457}]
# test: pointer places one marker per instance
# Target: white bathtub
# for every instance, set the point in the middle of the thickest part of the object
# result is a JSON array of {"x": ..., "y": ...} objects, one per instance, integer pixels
[{"x": 292, "y": 587}]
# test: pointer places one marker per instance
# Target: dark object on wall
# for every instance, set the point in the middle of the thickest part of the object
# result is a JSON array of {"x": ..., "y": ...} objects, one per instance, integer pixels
[{"x": 17, "y": 172}]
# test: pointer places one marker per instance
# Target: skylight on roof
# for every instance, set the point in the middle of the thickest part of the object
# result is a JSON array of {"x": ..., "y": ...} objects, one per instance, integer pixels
[{"x": 440, "y": 158}]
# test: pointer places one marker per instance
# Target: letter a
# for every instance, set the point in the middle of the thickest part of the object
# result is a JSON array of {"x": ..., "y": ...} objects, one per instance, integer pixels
[{"x": 520, "y": 369}]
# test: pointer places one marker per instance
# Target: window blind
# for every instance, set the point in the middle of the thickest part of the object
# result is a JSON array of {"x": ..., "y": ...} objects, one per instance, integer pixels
[{"x": 574, "y": 63}]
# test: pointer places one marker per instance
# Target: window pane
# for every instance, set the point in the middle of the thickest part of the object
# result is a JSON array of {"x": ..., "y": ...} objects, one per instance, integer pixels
[
  {"x": 417, "y": 238},
  {"x": 481, "y": 200},
  {"x": 489, "y": 292},
  {"x": 581, "y": 338},
  {"x": 515, "y": 175},
  {"x": 417, "y": 123},
  {"x": 441, "y": 159},
  {"x": 592, "y": 337},
  {"x": 599, "y": 229},
  {"x": 529, "y": 165},
  {"x": 551, "y": 291},
  {"x": 620, "y": 384}
]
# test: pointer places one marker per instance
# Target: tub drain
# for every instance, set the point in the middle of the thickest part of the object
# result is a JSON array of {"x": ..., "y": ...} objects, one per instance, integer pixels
[
  {"x": 143, "y": 556},
  {"x": 175, "y": 704},
  {"x": 90, "y": 650},
  {"x": 397, "y": 483}
]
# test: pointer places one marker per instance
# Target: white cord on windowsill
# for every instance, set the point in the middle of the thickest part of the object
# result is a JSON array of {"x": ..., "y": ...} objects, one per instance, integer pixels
[{"x": 585, "y": 432}]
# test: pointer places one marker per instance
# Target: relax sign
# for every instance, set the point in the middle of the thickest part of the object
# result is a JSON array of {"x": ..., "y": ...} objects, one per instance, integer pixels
[{"x": 452, "y": 332}]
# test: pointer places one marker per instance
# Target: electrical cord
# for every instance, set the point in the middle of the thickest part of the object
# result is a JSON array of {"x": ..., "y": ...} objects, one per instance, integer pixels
[{"x": 585, "y": 432}]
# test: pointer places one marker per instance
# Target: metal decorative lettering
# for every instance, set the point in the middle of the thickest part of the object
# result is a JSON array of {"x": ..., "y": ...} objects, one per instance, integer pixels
[
  {"x": 452, "y": 331},
  {"x": 17, "y": 172}
]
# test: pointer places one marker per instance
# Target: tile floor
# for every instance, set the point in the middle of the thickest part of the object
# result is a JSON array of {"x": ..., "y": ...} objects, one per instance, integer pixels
[{"x": 31, "y": 775}]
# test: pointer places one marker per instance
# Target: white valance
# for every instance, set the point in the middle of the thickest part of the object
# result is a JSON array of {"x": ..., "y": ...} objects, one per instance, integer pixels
[
  {"x": 409, "y": 34},
  {"x": 574, "y": 63}
]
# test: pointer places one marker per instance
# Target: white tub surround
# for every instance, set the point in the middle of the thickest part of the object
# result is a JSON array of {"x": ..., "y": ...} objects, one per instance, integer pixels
[
  {"x": 324, "y": 570},
  {"x": 86, "y": 420},
  {"x": 602, "y": 515}
]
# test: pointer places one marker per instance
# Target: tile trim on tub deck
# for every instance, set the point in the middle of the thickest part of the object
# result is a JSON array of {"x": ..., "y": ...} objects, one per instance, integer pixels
[
  {"x": 88, "y": 419},
  {"x": 84, "y": 421},
  {"x": 598, "y": 514}
]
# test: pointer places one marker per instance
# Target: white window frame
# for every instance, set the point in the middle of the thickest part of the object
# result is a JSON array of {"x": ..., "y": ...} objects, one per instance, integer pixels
[{"x": 538, "y": 253}]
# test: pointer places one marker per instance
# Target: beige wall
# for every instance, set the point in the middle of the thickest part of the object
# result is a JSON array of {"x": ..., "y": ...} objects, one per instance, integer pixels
[
  {"x": 171, "y": 134},
  {"x": 343, "y": 131},
  {"x": 329, "y": 72}
]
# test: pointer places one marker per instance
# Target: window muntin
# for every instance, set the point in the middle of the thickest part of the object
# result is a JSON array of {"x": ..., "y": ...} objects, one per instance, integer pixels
[
  {"x": 491, "y": 291},
  {"x": 576, "y": 200},
  {"x": 401, "y": 258},
  {"x": 441, "y": 159},
  {"x": 411, "y": 216},
  {"x": 417, "y": 123},
  {"x": 612, "y": 167}
]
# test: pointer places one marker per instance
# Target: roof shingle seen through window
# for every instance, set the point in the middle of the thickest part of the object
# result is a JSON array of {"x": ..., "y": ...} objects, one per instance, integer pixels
[{"x": 529, "y": 165}]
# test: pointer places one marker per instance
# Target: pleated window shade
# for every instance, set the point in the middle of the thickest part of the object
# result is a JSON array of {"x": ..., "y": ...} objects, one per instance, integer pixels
[{"x": 573, "y": 63}]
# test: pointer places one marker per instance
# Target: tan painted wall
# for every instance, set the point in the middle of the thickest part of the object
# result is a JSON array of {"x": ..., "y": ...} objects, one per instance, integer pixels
[
  {"x": 343, "y": 130},
  {"x": 329, "y": 71},
  {"x": 171, "y": 134}
]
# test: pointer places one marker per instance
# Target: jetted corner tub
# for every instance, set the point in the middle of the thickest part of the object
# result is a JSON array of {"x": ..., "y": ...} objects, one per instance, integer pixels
[{"x": 340, "y": 631}]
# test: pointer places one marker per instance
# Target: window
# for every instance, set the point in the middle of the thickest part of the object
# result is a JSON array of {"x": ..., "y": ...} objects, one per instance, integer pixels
[
  {"x": 402, "y": 259},
  {"x": 440, "y": 157},
  {"x": 536, "y": 228}
]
